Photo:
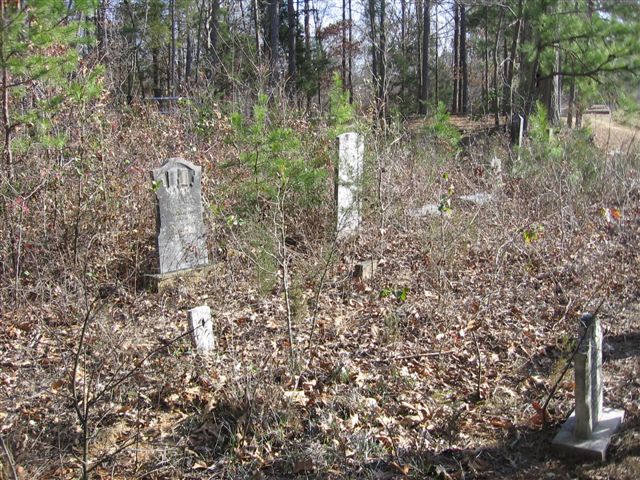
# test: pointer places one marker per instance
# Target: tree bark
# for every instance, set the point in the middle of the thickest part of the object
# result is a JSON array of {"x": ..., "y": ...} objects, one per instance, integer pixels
[
  {"x": 374, "y": 53},
  {"x": 350, "y": 54},
  {"x": 6, "y": 125},
  {"x": 189, "y": 58},
  {"x": 424, "y": 78},
  {"x": 485, "y": 79},
  {"x": 382, "y": 62},
  {"x": 274, "y": 27},
  {"x": 172, "y": 66},
  {"x": 343, "y": 47},
  {"x": 291, "y": 17},
  {"x": 258, "y": 30},
  {"x": 463, "y": 60},
  {"x": 511, "y": 62},
  {"x": 437, "y": 69},
  {"x": 213, "y": 30},
  {"x": 455, "y": 106},
  {"x": 571, "y": 106},
  {"x": 155, "y": 62},
  {"x": 496, "y": 88},
  {"x": 199, "y": 40}
]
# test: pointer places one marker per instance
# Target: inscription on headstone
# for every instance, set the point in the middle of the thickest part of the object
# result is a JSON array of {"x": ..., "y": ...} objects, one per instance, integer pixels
[
  {"x": 349, "y": 183},
  {"x": 180, "y": 237},
  {"x": 588, "y": 430}
]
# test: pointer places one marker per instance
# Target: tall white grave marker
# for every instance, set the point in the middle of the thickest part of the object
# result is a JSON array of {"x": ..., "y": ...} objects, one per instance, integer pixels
[{"x": 349, "y": 183}]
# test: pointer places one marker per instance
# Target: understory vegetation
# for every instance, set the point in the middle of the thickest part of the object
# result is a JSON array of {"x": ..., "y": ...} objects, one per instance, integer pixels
[
  {"x": 447, "y": 362},
  {"x": 436, "y": 367}
]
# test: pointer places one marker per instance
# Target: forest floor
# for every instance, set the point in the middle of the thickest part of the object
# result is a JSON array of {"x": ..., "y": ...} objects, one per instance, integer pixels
[{"x": 436, "y": 367}]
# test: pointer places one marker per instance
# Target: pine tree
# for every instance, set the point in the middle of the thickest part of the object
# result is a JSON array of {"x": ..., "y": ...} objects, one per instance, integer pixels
[{"x": 40, "y": 43}]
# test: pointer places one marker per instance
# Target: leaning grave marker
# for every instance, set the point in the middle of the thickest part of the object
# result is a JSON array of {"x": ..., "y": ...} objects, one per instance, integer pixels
[
  {"x": 180, "y": 240},
  {"x": 348, "y": 183},
  {"x": 588, "y": 430}
]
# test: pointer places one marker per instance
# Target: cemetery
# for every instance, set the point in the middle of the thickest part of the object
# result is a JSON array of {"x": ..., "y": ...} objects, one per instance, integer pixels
[{"x": 319, "y": 240}]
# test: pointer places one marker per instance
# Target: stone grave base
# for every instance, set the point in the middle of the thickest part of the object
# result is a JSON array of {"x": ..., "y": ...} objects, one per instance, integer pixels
[
  {"x": 595, "y": 447},
  {"x": 159, "y": 282}
]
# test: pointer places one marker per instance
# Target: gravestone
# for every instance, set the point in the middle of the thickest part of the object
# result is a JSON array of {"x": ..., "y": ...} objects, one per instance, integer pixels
[
  {"x": 495, "y": 172},
  {"x": 201, "y": 329},
  {"x": 348, "y": 184},
  {"x": 588, "y": 430},
  {"x": 518, "y": 127},
  {"x": 365, "y": 270},
  {"x": 181, "y": 240}
]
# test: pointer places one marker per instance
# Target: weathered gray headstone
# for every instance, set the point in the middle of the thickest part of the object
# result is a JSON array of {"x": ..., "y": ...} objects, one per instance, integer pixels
[
  {"x": 201, "y": 329},
  {"x": 365, "y": 270},
  {"x": 181, "y": 239},
  {"x": 349, "y": 183},
  {"x": 588, "y": 430}
]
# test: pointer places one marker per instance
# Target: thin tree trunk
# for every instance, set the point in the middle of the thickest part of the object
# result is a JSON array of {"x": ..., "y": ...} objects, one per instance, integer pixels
[
  {"x": 291, "y": 17},
  {"x": 274, "y": 27},
  {"x": 172, "y": 66},
  {"x": 512, "y": 56},
  {"x": 555, "y": 106},
  {"x": 258, "y": 30},
  {"x": 101, "y": 30},
  {"x": 212, "y": 37},
  {"x": 307, "y": 44},
  {"x": 403, "y": 43},
  {"x": 496, "y": 88},
  {"x": 8, "y": 154},
  {"x": 485, "y": 79},
  {"x": 199, "y": 39},
  {"x": 350, "y": 54},
  {"x": 437, "y": 68},
  {"x": 571, "y": 106},
  {"x": 419, "y": 28},
  {"x": 463, "y": 59},
  {"x": 189, "y": 59},
  {"x": 343, "y": 47},
  {"x": 456, "y": 58},
  {"x": 374, "y": 53},
  {"x": 155, "y": 62},
  {"x": 382, "y": 63},
  {"x": 424, "y": 81}
]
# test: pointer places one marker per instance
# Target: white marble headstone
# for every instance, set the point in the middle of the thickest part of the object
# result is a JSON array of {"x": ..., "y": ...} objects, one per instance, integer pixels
[
  {"x": 201, "y": 328},
  {"x": 349, "y": 183}
]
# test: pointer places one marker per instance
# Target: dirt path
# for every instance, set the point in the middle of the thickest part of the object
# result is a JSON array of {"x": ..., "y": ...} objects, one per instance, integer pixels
[{"x": 611, "y": 136}]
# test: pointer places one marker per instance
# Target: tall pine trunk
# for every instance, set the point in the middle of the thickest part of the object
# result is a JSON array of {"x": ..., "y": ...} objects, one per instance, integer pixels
[
  {"x": 382, "y": 62},
  {"x": 172, "y": 53},
  {"x": 291, "y": 18},
  {"x": 464, "y": 84},
  {"x": 424, "y": 77},
  {"x": 455, "y": 105},
  {"x": 350, "y": 53}
]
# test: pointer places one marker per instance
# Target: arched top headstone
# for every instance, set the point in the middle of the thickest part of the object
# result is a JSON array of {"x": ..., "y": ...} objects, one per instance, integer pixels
[
  {"x": 177, "y": 174},
  {"x": 180, "y": 230}
]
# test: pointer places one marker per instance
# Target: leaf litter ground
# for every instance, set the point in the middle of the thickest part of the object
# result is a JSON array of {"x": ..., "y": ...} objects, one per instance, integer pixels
[{"x": 435, "y": 368}]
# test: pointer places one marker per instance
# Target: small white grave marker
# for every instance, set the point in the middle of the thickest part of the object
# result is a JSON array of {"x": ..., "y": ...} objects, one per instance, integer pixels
[{"x": 201, "y": 329}]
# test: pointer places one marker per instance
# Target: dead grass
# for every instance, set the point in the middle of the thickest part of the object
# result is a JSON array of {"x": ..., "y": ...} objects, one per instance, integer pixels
[{"x": 438, "y": 385}]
